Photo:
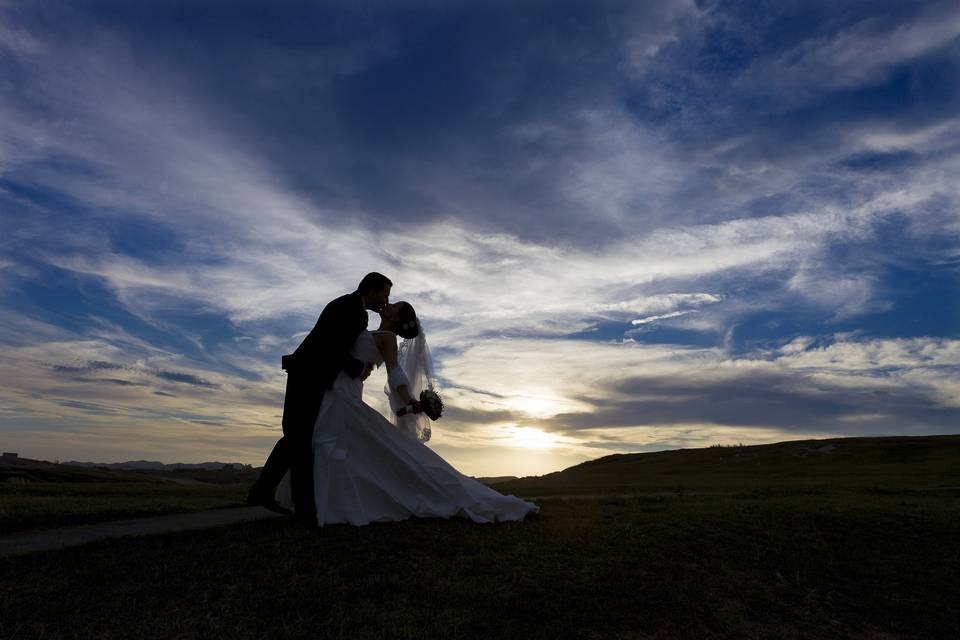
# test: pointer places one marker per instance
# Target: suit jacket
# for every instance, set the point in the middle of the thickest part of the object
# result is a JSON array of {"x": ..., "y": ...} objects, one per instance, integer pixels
[{"x": 323, "y": 354}]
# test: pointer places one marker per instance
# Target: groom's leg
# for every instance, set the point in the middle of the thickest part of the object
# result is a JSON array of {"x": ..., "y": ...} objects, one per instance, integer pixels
[
  {"x": 280, "y": 459},
  {"x": 301, "y": 456},
  {"x": 263, "y": 492},
  {"x": 301, "y": 473},
  {"x": 275, "y": 467},
  {"x": 301, "y": 461}
]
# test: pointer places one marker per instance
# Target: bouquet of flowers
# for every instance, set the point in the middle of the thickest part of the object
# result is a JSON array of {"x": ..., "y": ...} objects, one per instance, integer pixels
[{"x": 431, "y": 404}]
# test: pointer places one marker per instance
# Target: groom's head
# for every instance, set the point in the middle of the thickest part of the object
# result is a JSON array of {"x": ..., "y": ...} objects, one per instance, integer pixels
[{"x": 375, "y": 289}]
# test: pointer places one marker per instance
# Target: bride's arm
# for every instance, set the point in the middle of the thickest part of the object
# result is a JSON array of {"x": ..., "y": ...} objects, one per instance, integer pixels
[{"x": 387, "y": 343}]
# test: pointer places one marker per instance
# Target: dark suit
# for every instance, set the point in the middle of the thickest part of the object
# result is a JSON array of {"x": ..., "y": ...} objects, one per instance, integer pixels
[{"x": 311, "y": 370}]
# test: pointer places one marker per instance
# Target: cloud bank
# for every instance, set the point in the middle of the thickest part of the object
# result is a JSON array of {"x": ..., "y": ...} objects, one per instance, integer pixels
[{"x": 626, "y": 226}]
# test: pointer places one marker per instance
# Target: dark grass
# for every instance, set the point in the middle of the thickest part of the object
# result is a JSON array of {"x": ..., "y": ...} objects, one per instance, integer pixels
[
  {"x": 826, "y": 539},
  {"x": 52, "y": 504},
  {"x": 745, "y": 564}
]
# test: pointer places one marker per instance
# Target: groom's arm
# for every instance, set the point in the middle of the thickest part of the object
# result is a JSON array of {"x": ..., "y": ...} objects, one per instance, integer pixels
[{"x": 354, "y": 368}]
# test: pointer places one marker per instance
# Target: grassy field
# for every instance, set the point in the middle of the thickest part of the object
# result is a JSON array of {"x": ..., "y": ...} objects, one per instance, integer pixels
[
  {"x": 48, "y": 504},
  {"x": 36, "y": 494},
  {"x": 859, "y": 559}
]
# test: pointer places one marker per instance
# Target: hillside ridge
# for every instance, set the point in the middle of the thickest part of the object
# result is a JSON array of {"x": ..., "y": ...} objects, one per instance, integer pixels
[{"x": 927, "y": 460}]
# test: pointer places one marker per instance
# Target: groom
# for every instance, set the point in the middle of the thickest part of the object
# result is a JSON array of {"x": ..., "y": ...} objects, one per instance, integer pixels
[{"x": 311, "y": 370}]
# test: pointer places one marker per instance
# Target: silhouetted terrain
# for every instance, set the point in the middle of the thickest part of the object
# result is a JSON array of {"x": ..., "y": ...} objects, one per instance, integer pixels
[
  {"x": 827, "y": 539},
  {"x": 27, "y": 470},
  {"x": 492, "y": 480},
  {"x": 152, "y": 465},
  {"x": 901, "y": 462}
]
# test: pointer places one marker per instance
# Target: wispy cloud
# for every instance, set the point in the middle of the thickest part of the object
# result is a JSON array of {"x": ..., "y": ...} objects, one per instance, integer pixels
[
  {"x": 627, "y": 226},
  {"x": 855, "y": 55}
]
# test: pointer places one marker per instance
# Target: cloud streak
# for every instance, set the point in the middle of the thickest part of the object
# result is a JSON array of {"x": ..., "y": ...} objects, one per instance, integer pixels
[{"x": 624, "y": 225}]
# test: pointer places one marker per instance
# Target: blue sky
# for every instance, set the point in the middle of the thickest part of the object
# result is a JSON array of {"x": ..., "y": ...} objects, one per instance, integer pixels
[{"x": 626, "y": 226}]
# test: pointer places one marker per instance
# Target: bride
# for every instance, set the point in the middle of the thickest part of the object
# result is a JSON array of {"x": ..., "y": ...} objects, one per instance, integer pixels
[{"x": 369, "y": 469}]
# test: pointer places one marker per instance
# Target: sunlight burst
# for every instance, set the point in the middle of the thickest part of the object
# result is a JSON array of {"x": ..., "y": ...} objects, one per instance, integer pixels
[
  {"x": 531, "y": 438},
  {"x": 542, "y": 403}
]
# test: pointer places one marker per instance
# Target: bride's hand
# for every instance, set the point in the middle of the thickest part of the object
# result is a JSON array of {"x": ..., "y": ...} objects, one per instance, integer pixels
[{"x": 413, "y": 407}]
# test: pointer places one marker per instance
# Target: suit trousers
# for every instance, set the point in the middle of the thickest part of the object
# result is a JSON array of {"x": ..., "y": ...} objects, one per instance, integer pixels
[{"x": 294, "y": 451}]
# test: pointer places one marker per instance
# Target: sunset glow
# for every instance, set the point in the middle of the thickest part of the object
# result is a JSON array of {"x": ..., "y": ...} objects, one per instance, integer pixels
[
  {"x": 530, "y": 438},
  {"x": 624, "y": 226}
]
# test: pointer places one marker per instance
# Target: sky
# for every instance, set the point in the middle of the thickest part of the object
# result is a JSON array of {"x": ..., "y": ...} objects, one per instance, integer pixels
[{"x": 625, "y": 226}]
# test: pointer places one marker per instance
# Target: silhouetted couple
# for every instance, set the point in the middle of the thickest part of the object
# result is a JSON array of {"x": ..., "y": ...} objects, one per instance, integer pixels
[{"x": 339, "y": 459}]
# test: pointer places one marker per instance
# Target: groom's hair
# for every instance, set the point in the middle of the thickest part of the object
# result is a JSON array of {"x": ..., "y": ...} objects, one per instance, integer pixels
[{"x": 373, "y": 281}]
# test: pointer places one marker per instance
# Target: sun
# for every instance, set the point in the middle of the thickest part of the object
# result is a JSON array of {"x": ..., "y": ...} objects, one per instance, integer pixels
[
  {"x": 530, "y": 438},
  {"x": 540, "y": 403},
  {"x": 538, "y": 407}
]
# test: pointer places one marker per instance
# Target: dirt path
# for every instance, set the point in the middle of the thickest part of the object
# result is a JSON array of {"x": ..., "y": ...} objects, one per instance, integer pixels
[{"x": 47, "y": 539}]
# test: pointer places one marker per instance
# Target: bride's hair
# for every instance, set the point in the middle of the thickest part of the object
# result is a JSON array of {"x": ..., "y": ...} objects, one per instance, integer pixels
[{"x": 407, "y": 324}]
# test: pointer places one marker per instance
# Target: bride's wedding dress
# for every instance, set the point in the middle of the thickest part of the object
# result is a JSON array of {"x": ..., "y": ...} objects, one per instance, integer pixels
[{"x": 366, "y": 469}]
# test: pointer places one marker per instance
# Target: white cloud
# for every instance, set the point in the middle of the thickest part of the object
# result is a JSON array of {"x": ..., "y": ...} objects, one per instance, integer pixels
[
  {"x": 846, "y": 296},
  {"x": 66, "y": 393},
  {"x": 131, "y": 145},
  {"x": 860, "y": 55},
  {"x": 522, "y": 383}
]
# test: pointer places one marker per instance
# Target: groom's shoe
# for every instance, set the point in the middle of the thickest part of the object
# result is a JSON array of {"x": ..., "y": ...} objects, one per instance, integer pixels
[{"x": 257, "y": 498}]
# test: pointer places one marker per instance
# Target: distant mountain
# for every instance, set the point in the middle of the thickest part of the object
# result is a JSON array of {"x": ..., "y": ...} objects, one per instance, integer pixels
[
  {"x": 149, "y": 465},
  {"x": 23, "y": 470}
]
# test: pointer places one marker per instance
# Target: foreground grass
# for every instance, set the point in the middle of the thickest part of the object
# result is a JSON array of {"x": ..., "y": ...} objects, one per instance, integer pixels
[
  {"x": 811, "y": 564},
  {"x": 53, "y": 504}
]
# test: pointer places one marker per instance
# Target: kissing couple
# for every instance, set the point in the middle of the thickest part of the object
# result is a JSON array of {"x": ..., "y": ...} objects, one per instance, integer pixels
[{"x": 342, "y": 461}]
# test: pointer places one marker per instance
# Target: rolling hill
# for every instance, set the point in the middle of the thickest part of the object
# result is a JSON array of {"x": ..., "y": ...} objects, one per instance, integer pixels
[{"x": 906, "y": 461}]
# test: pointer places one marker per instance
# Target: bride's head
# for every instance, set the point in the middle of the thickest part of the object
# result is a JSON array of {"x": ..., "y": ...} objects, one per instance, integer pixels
[{"x": 400, "y": 318}]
